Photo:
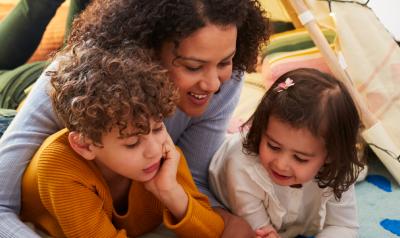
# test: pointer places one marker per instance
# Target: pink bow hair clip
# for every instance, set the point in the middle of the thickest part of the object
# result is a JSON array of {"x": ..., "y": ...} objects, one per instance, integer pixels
[{"x": 285, "y": 85}]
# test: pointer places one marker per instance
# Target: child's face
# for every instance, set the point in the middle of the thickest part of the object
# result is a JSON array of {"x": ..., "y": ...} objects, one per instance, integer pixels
[
  {"x": 136, "y": 157},
  {"x": 291, "y": 156}
]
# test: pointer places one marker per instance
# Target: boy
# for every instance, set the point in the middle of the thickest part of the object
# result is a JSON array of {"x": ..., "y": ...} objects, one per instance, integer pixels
[{"x": 114, "y": 171}]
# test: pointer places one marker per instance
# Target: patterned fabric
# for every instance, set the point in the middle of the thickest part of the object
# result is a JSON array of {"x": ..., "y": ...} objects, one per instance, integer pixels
[
  {"x": 14, "y": 84},
  {"x": 6, "y": 116}
]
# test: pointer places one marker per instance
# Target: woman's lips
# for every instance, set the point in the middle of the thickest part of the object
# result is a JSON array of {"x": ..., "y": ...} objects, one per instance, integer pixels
[{"x": 198, "y": 99}]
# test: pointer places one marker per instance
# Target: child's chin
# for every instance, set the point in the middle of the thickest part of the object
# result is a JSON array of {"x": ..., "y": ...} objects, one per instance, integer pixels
[
  {"x": 280, "y": 180},
  {"x": 147, "y": 177}
]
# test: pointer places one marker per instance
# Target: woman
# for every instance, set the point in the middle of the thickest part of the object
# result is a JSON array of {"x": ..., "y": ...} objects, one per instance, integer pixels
[{"x": 205, "y": 46}]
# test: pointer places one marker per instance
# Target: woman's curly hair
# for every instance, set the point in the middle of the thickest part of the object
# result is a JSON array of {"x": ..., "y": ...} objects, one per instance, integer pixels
[
  {"x": 95, "y": 90},
  {"x": 150, "y": 23},
  {"x": 323, "y": 105}
]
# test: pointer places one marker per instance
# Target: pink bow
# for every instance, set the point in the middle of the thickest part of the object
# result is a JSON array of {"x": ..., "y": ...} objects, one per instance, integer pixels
[{"x": 285, "y": 85}]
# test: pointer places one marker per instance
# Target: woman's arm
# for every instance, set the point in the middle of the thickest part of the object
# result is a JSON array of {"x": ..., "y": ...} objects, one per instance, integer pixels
[
  {"x": 32, "y": 124},
  {"x": 341, "y": 217}
]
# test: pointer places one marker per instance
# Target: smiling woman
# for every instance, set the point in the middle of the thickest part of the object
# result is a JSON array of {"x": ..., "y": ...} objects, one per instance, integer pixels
[
  {"x": 205, "y": 46},
  {"x": 206, "y": 57}
]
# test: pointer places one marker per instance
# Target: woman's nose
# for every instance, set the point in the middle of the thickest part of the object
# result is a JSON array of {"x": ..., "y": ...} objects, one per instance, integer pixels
[{"x": 211, "y": 81}]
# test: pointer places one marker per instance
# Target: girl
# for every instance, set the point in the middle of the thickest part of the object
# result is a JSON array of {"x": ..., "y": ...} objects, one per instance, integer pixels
[
  {"x": 293, "y": 172},
  {"x": 205, "y": 46}
]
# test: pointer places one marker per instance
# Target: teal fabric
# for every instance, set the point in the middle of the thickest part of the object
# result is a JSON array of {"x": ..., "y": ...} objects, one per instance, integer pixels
[
  {"x": 293, "y": 42},
  {"x": 75, "y": 7},
  {"x": 6, "y": 116},
  {"x": 13, "y": 83}
]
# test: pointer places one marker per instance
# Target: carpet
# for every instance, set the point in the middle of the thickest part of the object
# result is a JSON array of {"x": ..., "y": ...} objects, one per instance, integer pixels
[{"x": 378, "y": 198}]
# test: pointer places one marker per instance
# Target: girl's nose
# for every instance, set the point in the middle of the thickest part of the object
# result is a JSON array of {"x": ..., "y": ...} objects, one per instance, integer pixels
[{"x": 282, "y": 163}]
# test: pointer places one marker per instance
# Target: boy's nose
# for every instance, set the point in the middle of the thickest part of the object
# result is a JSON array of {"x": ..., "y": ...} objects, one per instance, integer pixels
[{"x": 153, "y": 149}]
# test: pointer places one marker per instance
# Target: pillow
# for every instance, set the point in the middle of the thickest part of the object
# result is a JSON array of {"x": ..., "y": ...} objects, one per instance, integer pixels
[
  {"x": 54, "y": 34},
  {"x": 291, "y": 50}
]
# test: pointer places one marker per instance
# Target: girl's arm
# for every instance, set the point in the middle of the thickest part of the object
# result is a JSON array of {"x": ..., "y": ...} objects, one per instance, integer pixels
[
  {"x": 32, "y": 124},
  {"x": 341, "y": 217},
  {"x": 238, "y": 185}
]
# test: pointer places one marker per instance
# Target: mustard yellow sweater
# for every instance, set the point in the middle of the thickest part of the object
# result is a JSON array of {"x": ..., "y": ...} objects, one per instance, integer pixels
[{"x": 66, "y": 196}]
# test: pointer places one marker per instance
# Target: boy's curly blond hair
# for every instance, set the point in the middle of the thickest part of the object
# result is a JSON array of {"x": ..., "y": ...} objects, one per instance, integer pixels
[{"x": 94, "y": 90}]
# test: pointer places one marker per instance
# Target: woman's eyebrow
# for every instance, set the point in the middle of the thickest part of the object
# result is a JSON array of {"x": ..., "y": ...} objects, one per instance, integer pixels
[
  {"x": 204, "y": 61},
  {"x": 230, "y": 55}
]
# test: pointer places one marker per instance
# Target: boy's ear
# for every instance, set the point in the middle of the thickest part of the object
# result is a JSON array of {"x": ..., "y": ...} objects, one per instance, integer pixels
[{"x": 81, "y": 145}]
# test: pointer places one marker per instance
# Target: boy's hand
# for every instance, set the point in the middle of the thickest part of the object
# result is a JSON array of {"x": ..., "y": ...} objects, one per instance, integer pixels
[
  {"x": 267, "y": 232},
  {"x": 165, "y": 179},
  {"x": 164, "y": 184}
]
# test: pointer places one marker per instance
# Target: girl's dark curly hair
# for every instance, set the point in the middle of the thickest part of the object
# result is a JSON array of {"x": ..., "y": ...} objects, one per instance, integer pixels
[
  {"x": 150, "y": 23},
  {"x": 94, "y": 90},
  {"x": 323, "y": 105}
]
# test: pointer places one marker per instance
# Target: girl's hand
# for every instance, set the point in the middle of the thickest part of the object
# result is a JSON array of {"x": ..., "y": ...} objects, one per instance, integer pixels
[
  {"x": 165, "y": 179},
  {"x": 235, "y": 226},
  {"x": 267, "y": 232}
]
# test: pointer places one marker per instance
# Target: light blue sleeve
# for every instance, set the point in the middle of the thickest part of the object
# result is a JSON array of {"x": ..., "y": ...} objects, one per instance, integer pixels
[
  {"x": 200, "y": 138},
  {"x": 32, "y": 124}
]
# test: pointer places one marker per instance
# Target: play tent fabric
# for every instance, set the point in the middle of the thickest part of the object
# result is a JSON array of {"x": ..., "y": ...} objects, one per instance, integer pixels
[{"x": 372, "y": 58}]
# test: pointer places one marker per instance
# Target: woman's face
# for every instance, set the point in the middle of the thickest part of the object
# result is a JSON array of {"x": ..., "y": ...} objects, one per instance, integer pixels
[{"x": 201, "y": 63}]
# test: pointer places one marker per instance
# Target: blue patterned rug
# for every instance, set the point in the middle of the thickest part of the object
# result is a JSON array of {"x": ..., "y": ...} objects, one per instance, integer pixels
[{"x": 378, "y": 199}]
